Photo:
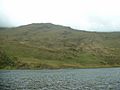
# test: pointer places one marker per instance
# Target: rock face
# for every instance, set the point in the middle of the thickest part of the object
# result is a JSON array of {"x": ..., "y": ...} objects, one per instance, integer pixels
[{"x": 46, "y": 45}]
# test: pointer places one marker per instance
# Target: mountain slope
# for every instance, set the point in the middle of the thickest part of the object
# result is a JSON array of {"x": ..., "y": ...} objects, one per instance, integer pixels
[{"x": 47, "y": 45}]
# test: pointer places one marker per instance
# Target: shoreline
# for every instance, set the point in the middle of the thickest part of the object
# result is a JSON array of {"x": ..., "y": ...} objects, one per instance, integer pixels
[{"x": 65, "y": 68}]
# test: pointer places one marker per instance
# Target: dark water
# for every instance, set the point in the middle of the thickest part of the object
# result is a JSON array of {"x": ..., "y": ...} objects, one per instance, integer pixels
[{"x": 63, "y": 79}]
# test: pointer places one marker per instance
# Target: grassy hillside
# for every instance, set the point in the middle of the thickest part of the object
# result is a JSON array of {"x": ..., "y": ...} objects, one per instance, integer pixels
[{"x": 46, "y": 45}]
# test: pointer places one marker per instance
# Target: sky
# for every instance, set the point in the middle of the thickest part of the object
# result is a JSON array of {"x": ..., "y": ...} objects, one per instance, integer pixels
[{"x": 90, "y": 15}]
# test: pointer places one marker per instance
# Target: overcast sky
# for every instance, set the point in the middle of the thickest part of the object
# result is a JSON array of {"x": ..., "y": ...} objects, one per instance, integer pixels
[{"x": 92, "y": 15}]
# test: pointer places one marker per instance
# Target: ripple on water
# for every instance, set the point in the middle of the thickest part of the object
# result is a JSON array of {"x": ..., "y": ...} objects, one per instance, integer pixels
[{"x": 64, "y": 79}]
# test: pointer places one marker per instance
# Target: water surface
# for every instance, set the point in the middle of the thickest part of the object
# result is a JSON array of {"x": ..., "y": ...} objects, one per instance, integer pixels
[{"x": 62, "y": 79}]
